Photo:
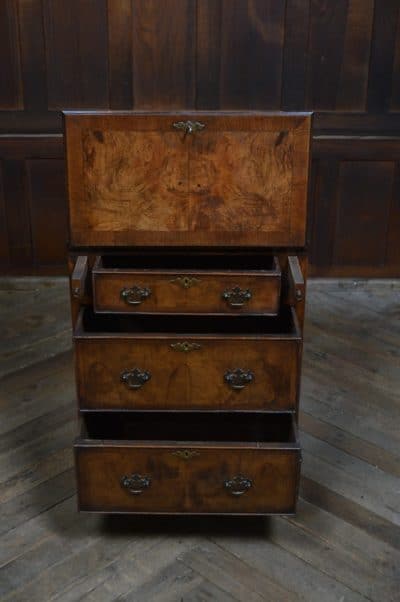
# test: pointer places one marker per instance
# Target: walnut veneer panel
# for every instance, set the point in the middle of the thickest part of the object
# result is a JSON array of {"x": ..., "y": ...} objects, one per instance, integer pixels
[
  {"x": 187, "y": 371},
  {"x": 134, "y": 180},
  {"x": 195, "y": 486}
]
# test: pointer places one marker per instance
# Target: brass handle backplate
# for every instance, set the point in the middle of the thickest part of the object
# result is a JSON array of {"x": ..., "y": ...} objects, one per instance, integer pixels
[
  {"x": 238, "y": 378},
  {"x": 238, "y": 485},
  {"x": 135, "y": 295},
  {"x": 135, "y": 378},
  {"x": 189, "y": 127},
  {"x": 237, "y": 297},
  {"x": 135, "y": 483}
]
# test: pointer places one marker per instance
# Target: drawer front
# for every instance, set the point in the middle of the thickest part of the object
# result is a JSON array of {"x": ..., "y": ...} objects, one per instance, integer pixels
[
  {"x": 153, "y": 180},
  {"x": 199, "y": 479},
  {"x": 187, "y": 373},
  {"x": 185, "y": 292}
]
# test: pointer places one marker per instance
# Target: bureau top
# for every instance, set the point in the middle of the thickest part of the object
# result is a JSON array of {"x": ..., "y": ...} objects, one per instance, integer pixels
[{"x": 193, "y": 179}]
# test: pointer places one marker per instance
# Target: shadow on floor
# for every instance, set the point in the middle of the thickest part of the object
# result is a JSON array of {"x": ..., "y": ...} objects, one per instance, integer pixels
[{"x": 186, "y": 525}]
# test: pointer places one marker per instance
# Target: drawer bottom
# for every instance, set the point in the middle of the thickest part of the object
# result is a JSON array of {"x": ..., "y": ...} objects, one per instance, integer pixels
[{"x": 186, "y": 464}]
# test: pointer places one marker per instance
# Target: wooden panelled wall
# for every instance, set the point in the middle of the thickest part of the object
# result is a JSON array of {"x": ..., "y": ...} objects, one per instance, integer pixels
[{"x": 340, "y": 58}]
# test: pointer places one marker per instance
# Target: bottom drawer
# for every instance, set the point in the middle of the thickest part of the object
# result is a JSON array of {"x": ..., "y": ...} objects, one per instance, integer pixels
[{"x": 186, "y": 463}]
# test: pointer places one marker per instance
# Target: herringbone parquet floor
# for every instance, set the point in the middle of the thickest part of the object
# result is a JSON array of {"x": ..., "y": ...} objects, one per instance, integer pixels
[{"x": 344, "y": 544}]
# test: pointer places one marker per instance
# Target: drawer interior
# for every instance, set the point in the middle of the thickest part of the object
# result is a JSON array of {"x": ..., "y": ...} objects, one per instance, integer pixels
[
  {"x": 285, "y": 323},
  {"x": 191, "y": 426},
  {"x": 190, "y": 261}
]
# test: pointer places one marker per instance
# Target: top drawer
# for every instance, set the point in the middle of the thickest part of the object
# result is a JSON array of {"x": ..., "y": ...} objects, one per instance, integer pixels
[
  {"x": 211, "y": 283},
  {"x": 202, "y": 179}
]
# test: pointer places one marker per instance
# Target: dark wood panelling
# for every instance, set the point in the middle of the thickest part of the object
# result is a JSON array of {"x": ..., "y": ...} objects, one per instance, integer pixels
[
  {"x": 382, "y": 55},
  {"x": 62, "y": 47},
  {"x": 295, "y": 54},
  {"x": 364, "y": 195},
  {"x": 395, "y": 100},
  {"x": 279, "y": 54},
  {"x": 33, "y": 208},
  {"x": 251, "y": 53},
  {"x": 4, "y": 252},
  {"x": 352, "y": 89},
  {"x": 356, "y": 209},
  {"x": 164, "y": 53},
  {"x": 208, "y": 53},
  {"x": 393, "y": 233},
  {"x": 17, "y": 212},
  {"x": 234, "y": 52},
  {"x": 33, "y": 55},
  {"x": 120, "y": 53},
  {"x": 325, "y": 56},
  {"x": 340, "y": 59},
  {"x": 48, "y": 209},
  {"x": 323, "y": 211},
  {"x": 266, "y": 36},
  {"x": 10, "y": 75},
  {"x": 77, "y": 54}
]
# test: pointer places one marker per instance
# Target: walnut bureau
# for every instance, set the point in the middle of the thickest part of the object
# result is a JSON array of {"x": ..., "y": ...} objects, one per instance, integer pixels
[{"x": 187, "y": 258}]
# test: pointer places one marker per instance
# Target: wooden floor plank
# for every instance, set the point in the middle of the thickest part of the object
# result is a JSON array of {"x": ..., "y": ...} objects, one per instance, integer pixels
[
  {"x": 37, "y": 500},
  {"x": 356, "y": 446},
  {"x": 233, "y": 576},
  {"x": 62, "y": 556},
  {"x": 381, "y": 557},
  {"x": 287, "y": 569},
  {"x": 27, "y": 397},
  {"x": 208, "y": 592},
  {"x": 24, "y": 458},
  {"x": 31, "y": 332},
  {"x": 350, "y": 511},
  {"x": 136, "y": 572},
  {"x": 111, "y": 578},
  {"x": 380, "y": 486},
  {"x": 355, "y": 489},
  {"x": 348, "y": 410},
  {"x": 333, "y": 559}
]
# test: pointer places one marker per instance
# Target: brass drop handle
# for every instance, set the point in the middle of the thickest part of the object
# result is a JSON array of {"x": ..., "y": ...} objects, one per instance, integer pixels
[
  {"x": 135, "y": 483},
  {"x": 237, "y": 297},
  {"x": 135, "y": 295},
  {"x": 238, "y": 485},
  {"x": 189, "y": 127},
  {"x": 237, "y": 379},
  {"x": 135, "y": 378}
]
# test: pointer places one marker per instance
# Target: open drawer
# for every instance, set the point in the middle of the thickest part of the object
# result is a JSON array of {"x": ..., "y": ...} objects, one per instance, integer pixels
[
  {"x": 181, "y": 363},
  {"x": 187, "y": 283},
  {"x": 188, "y": 463}
]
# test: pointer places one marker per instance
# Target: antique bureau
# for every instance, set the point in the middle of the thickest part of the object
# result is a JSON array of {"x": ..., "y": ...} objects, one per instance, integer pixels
[{"x": 187, "y": 269}]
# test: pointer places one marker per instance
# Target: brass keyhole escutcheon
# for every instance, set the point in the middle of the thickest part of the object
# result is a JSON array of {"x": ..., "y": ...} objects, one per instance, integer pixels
[
  {"x": 186, "y": 454},
  {"x": 188, "y": 127},
  {"x": 185, "y": 282},
  {"x": 185, "y": 346}
]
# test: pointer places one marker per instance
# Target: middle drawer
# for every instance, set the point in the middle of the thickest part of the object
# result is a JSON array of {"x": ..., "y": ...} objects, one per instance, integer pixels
[{"x": 181, "y": 363}]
